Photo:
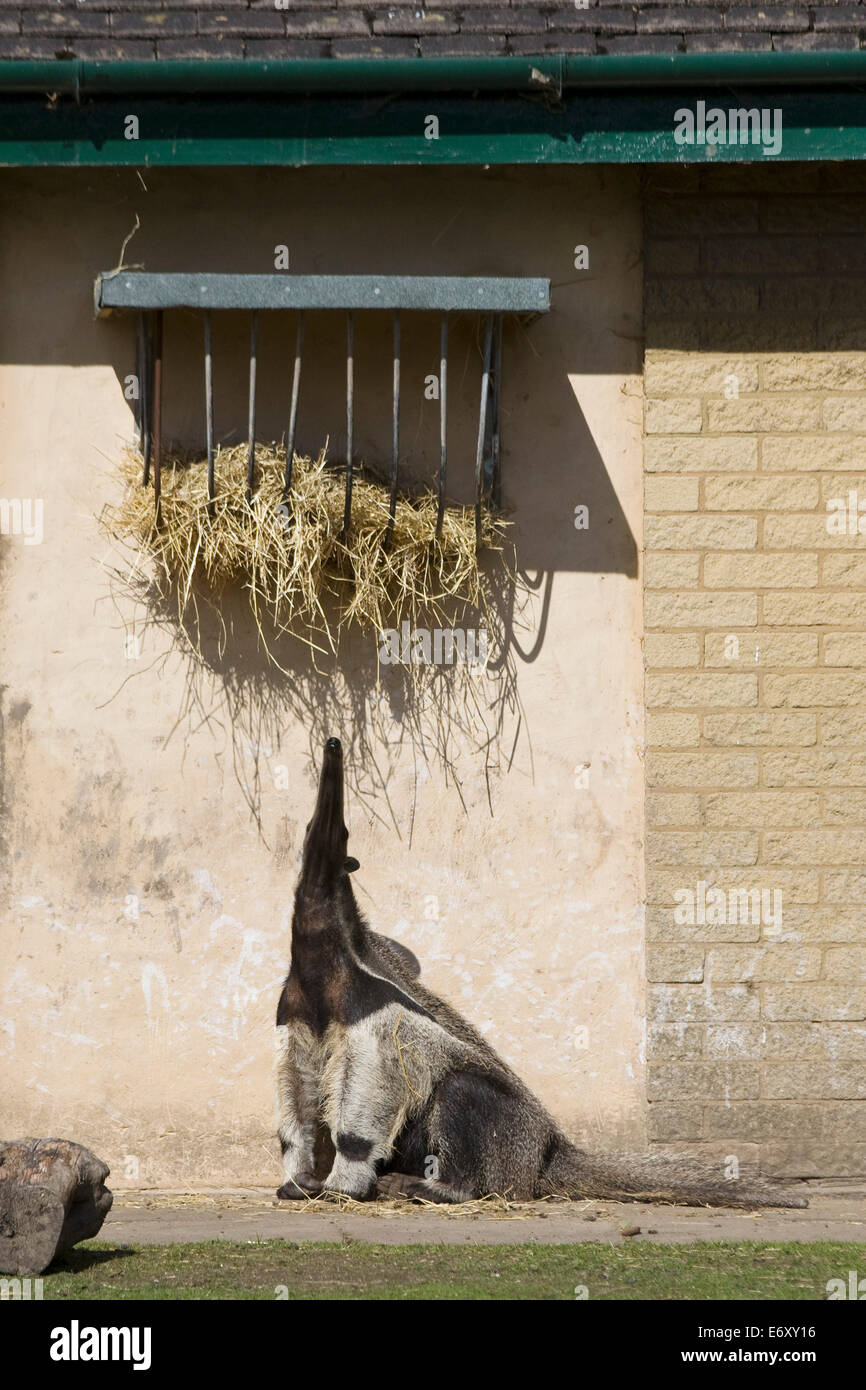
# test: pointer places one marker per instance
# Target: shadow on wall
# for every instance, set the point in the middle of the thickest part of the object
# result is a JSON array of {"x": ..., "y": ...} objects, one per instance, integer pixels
[
  {"x": 437, "y": 711},
  {"x": 551, "y": 464},
  {"x": 252, "y": 695},
  {"x": 550, "y": 459}
]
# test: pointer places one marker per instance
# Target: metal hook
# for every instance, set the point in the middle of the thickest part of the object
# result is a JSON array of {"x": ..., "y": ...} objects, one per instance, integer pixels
[
  {"x": 157, "y": 418},
  {"x": 350, "y": 416},
  {"x": 482, "y": 426},
  {"x": 293, "y": 412},
  {"x": 208, "y": 408},
  {"x": 443, "y": 422},
  {"x": 395, "y": 447},
  {"x": 496, "y": 441},
  {"x": 251, "y": 431},
  {"x": 144, "y": 394}
]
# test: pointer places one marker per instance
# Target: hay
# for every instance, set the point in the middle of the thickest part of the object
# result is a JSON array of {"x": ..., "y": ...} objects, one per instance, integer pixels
[
  {"x": 495, "y": 1206},
  {"x": 300, "y": 573}
]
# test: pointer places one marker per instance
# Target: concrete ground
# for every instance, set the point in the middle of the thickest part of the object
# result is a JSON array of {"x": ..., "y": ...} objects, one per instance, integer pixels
[{"x": 163, "y": 1218}]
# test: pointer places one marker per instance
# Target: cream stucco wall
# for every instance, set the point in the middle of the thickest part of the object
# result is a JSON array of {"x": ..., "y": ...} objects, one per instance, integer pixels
[{"x": 153, "y": 808}]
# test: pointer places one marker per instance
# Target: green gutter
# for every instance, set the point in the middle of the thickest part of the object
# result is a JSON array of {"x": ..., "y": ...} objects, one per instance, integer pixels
[
  {"x": 80, "y": 77},
  {"x": 297, "y": 113}
]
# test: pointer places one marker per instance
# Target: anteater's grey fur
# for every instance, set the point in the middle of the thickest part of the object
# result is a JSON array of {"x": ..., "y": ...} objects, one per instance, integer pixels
[{"x": 382, "y": 1086}]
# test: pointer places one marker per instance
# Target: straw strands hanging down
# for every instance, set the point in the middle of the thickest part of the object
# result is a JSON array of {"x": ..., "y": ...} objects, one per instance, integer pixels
[{"x": 301, "y": 573}]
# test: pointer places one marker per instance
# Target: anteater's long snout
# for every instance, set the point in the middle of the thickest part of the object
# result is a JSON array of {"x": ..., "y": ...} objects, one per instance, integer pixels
[
  {"x": 325, "y": 845},
  {"x": 328, "y": 816}
]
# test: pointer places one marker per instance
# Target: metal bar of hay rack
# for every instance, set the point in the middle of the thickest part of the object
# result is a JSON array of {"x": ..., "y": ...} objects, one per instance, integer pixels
[{"x": 150, "y": 294}]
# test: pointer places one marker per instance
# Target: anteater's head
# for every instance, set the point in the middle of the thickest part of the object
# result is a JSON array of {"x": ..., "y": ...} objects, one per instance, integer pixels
[{"x": 325, "y": 862}]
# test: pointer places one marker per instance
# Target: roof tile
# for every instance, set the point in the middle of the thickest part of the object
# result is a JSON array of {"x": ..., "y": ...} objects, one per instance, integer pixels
[{"x": 409, "y": 28}]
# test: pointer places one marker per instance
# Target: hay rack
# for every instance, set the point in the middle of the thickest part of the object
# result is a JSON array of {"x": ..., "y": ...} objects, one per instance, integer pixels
[{"x": 151, "y": 294}]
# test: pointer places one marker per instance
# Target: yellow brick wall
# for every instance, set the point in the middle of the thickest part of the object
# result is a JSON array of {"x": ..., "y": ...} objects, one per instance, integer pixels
[{"x": 755, "y": 417}]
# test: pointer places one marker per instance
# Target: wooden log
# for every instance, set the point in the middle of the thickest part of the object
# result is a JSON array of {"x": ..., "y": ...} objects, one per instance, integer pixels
[{"x": 52, "y": 1195}]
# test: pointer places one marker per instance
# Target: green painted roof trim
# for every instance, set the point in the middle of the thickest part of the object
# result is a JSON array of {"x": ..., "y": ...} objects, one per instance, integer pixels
[
  {"x": 584, "y": 128},
  {"x": 83, "y": 77}
]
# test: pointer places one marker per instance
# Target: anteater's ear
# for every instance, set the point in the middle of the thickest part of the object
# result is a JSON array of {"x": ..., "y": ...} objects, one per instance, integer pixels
[{"x": 351, "y": 865}]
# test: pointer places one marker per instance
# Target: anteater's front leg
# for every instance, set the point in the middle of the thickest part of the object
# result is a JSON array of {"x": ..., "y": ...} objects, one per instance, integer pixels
[
  {"x": 366, "y": 1100},
  {"x": 298, "y": 1110}
]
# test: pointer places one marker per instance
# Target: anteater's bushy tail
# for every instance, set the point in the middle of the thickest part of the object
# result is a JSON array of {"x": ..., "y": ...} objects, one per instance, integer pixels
[{"x": 654, "y": 1178}]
